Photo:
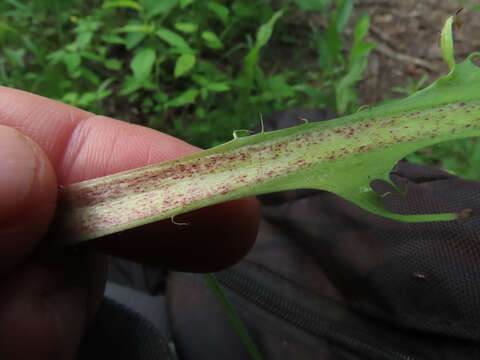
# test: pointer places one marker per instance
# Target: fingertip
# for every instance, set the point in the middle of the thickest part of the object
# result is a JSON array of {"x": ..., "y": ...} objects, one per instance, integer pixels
[
  {"x": 215, "y": 238},
  {"x": 28, "y": 191}
]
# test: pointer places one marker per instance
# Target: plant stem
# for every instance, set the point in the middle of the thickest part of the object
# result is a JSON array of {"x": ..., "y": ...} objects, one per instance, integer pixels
[{"x": 342, "y": 156}]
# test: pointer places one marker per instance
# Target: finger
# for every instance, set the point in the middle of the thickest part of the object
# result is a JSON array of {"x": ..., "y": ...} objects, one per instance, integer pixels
[
  {"x": 82, "y": 146},
  {"x": 214, "y": 238},
  {"x": 45, "y": 306},
  {"x": 28, "y": 192}
]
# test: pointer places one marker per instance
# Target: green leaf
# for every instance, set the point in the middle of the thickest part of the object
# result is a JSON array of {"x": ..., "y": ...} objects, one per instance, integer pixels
[
  {"x": 173, "y": 39},
  {"x": 113, "y": 64},
  {"x": 265, "y": 31},
  {"x": 184, "y": 63},
  {"x": 187, "y": 28},
  {"x": 122, "y": 4},
  {"x": 343, "y": 91},
  {"x": 130, "y": 85},
  {"x": 133, "y": 39},
  {"x": 200, "y": 80},
  {"x": 72, "y": 61},
  {"x": 362, "y": 49},
  {"x": 157, "y": 7},
  {"x": 31, "y": 46},
  {"x": 187, "y": 97},
  {"x": 312, "y": 5},
  {"x": 232, "y": 316},
  {"x": 325, "y": 60},
  {"x": 333, "y": 40},
  {"x": 70, "y": 98},
  {"x": 5, "y": 29},
  {"x": 251, "y": 61},
  {"x": 217, "y": 87},
  {"x": 446, "y": 40},
  {"x": 200, "y": 112},
  {"x": 17, "y": 4},
  {"x": 90, "y": 76},
  {"x": 343, "y": 11},
  {"x": 103, "y": 86},
  {"x": 15, "y": 57},
  {"x": 87, "y": 99},
  {"x": 160, "y": 97},
  {"x": 142, "y": 63},
  {"x": 185, "y": 3},
  {"x": 221, "y": 11},
  {"x": 83, "y": 39},
  {"x": 56, "y": 56},
  {"x": 212, "y": 40},
  {"x": 136, "y": 28},
  {"x": 361, "y": 28},
  {"x": 203, "y": 94},
  {"x": 92, "y": 56},
  {"x": 112, "y": 39}
]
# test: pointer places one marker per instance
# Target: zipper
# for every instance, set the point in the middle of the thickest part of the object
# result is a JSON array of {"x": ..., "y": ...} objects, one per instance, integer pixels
[{"x": 301, "y": 317}]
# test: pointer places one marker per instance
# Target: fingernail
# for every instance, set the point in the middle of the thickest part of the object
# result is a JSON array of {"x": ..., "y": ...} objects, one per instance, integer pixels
[{"x": 17, "y": 171}]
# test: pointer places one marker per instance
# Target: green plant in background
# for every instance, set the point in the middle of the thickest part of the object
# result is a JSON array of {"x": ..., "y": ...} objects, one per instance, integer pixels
[
  {"x": 339, "y": 71},
  {"x": 459, "y": 157},
  {"x": 195, "y": 69},
  {"x": 412, "y": 87}
]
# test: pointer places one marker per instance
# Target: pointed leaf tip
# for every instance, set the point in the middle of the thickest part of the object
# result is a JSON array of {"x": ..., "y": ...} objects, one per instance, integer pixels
[{"x": 446, "y": 39}]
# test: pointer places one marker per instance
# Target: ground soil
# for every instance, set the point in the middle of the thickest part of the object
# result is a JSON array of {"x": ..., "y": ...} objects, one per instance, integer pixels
[{"x": 407, "y": 33}]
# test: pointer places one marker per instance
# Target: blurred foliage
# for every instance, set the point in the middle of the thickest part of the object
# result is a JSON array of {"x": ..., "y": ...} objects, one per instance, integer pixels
[
  {"x": 195, "y": 69},
  {"x": 458, "y": 157}
]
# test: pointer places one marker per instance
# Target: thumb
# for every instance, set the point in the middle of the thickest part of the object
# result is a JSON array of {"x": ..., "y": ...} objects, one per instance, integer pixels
[{"x": 28, "y": 191}]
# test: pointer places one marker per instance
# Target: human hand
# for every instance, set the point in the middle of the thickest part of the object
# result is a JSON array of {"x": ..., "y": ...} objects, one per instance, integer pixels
[{"x": 48, "y": 296}]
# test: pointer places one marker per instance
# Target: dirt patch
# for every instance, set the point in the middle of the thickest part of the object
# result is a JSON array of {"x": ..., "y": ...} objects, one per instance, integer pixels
[{"x": 407, "y": 33}]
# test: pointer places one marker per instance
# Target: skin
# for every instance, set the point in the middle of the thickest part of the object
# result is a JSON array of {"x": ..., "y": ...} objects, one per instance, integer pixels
[{"x": 48, "y": 296}]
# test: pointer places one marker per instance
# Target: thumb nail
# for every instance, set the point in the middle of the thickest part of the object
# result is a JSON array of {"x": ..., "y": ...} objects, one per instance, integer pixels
[{"x": 17, "y": 171}]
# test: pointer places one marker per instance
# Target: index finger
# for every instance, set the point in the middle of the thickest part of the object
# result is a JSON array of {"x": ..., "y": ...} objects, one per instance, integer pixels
[{"x": 81, "y": 146}]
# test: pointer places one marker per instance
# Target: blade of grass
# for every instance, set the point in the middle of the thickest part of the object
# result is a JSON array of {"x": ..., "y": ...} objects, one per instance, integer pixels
[{"x": 232, "y": 316}]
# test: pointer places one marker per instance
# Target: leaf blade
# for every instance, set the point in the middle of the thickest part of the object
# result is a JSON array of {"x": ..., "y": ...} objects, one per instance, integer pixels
[
  {"x": 184, "y": 64},
  {"x": 142, "y": 63}
]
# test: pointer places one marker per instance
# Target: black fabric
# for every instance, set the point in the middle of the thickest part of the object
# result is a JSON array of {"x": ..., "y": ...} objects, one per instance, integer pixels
[
  {"x": 327, "y": 280},
  {"x": 122, "y": 334}
]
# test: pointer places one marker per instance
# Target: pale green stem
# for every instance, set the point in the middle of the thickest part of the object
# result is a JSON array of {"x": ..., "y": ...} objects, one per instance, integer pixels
[{"x": 341, "y": 156}]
